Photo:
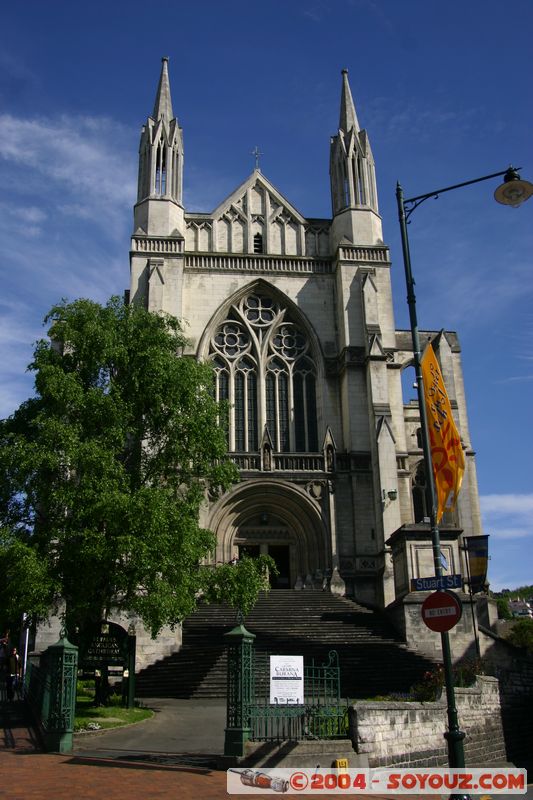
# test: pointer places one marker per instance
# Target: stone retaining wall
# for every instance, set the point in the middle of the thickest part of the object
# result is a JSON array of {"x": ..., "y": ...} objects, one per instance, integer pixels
[
  {"x": 148, "y": 650},
  {"x": 412, "y": 734},
  {"x": 514, "y": 669}
]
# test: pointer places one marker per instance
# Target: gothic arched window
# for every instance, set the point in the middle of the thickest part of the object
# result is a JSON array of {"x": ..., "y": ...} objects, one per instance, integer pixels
[
  {"x": 263, "y": 367},
  {"x": 161, "y": 168},
  {"x": 420, "y": 494}
]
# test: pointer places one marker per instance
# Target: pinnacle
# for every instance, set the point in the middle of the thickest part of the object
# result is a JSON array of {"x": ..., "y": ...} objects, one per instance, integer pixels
[
  {"x": 163, "y": 100},
  {"x": 348, "y": 116}
]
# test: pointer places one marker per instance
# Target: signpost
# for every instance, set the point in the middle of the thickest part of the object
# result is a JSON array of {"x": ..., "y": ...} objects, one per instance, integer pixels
[
  {"x": 433, "y": 583},
  {"x": 441, "y": 611}
]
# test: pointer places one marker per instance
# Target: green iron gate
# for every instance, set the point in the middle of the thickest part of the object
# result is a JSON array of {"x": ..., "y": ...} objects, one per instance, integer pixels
[{"x": 322, "y": 716}]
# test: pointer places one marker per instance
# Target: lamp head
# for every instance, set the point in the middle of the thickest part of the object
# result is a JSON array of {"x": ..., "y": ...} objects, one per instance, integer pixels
[{"x": 513, "y": 191}]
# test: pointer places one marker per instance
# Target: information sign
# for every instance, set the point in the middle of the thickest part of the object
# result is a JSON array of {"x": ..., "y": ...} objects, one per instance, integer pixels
[{"x": 286, "y": 680}]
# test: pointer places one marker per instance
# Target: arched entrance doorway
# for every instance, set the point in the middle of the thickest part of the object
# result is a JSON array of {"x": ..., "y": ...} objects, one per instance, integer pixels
[
  {"x": 268, "y": 534},
  {"x": 276, "y": 519}
]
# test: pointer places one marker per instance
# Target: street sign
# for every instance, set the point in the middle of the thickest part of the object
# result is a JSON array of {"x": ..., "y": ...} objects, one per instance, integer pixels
[
  {"x": 441, "y": 611},
  {"x": 431, "y": 584}
]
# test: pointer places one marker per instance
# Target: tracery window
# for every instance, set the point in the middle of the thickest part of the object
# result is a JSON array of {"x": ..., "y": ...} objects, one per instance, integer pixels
[{"x": 265, "y": 370}]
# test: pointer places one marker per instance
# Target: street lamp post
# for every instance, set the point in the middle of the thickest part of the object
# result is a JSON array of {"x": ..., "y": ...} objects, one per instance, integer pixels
[{"x": 513, "y": 191}]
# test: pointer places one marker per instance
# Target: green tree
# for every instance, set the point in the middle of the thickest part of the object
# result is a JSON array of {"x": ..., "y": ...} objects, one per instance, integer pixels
[
  {"x": 521, "y": 634},
  {"x": 502, "y": 605},
  {"x": 105, "y": 469},
  {"x": 240, "y": 584}
]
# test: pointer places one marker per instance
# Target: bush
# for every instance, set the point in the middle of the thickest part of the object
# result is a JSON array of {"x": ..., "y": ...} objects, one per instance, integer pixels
[
  {"x": 522, "y": 634},
  {"x": 502, "y": 605},
  {"x": 85, "y": 688},
  {"x": 431, "y": 685}
]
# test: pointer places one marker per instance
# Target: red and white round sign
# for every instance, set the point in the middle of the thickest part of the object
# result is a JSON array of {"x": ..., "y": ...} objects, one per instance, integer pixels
[{"x": 441, "y": 611}]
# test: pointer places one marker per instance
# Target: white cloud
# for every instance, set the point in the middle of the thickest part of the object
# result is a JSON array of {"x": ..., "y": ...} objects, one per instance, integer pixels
[
  {"x": 507, "y": 504},
  {"x": 65, "y": 216},
  {"x": 511, "y": 533},
  {"x": 88, "y": 159},
  {"x": 507, "y": 518},
  {"x": 28, "y": 213},
  {"x": 14, "y": 324},
  {"x": 18, "y": 333},
  {"x": 394, "y": 118},
  {"x": 516, "y": 379}
]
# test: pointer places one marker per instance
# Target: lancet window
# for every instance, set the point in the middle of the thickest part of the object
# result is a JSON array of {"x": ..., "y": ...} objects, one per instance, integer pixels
[
  {"x": 264, "y": 368},
  {"x": 161, "y": 168},
  {"x": 421, "y": 499}
]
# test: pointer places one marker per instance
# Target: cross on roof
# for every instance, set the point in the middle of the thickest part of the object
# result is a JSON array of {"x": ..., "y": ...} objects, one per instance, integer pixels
[{"x": 256, "y": 152}]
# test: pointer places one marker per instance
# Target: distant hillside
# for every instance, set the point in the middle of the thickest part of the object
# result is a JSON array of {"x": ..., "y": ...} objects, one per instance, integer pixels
[{"x": 523, "y": 592}]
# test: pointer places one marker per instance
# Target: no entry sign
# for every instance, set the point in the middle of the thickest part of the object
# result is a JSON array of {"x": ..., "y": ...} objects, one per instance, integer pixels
[{"x": 441, "y": 611}]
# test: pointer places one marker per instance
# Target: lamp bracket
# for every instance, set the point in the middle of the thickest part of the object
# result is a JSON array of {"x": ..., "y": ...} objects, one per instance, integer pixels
[
  {"x": 410, "y": 205},
  {"x": 413, "y": 202}
]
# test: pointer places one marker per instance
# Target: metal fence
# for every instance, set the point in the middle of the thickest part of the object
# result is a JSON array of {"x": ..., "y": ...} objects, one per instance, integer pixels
[
  {"x": 322, "y": 715},
  {"x": 50, "y": 691}
]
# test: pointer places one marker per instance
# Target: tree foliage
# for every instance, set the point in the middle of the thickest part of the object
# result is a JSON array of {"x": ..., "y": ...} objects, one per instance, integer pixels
[
  {"x": 513, "y": 594},
  {"x": 502, "y": 605},
  {"x": 521, "y": 634},
  {"x": 239, "y": 584},
  {"x": 105, "y": 469}
]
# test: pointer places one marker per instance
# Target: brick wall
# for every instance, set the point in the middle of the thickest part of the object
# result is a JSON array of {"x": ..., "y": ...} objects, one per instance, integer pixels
[{"x": 412, "y": 734}]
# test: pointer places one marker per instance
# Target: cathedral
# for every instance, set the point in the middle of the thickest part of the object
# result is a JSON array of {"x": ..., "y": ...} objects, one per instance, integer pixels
[{"x": 295, "y": 314}]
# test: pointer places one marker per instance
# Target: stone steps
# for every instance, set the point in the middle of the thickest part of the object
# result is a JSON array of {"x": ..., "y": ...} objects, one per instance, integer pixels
[{"x": 372, "y": 658}]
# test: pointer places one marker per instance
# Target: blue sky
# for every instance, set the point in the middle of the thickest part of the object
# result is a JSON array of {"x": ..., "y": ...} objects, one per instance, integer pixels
[{"x": 444, "y": 90}]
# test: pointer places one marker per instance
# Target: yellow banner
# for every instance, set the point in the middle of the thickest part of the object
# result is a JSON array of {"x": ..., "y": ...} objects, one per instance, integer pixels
[{"x": 446, "y": 451}]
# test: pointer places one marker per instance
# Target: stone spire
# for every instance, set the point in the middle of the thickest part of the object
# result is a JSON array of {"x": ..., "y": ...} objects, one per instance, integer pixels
[
  {"x": 159, "y": 207},
  {"x": 348, "y": 117},
  {"x": 354, "y": 197},
  {"x": 163, "y": 100}
]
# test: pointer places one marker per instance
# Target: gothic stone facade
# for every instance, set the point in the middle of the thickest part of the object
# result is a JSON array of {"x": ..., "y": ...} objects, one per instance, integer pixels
[{"x": 296, "y": 316}]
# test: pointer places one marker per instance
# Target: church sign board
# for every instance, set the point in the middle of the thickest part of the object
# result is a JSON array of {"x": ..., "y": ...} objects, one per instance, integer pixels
[
  {"x": 105, "y": 645},
  {"x": 286, "y": 680}
]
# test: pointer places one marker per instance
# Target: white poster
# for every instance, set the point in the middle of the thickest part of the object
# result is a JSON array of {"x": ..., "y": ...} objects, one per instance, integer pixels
[{"x": 286, "y": 680}]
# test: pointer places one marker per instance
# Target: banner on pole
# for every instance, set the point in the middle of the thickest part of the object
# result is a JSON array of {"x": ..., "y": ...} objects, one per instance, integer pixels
[
  {"x": 477, "y": 553},
  {"x": 446, "y": 451}
]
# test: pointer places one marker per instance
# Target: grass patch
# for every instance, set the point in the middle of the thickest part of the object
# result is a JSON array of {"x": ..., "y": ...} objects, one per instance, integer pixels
[{"x": 111, "y": 716}]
